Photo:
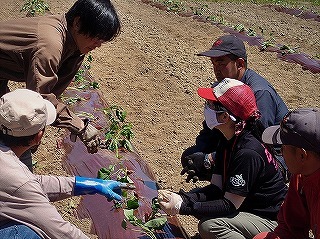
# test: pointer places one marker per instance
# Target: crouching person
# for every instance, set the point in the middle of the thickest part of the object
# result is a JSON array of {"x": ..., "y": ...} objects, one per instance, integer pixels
[
  {"x": 25, "y": 209},
  {"x": 246, "y": 188},
  {"x": 299, "y": 135}
]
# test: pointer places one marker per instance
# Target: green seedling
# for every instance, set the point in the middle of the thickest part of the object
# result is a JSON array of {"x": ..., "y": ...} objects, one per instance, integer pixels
[
  {"x": 84, "y": 114},
  {"x": 173, "y": 5},
  {"x": 71, "y": 100},
  {"x": 199, "y": 11},
  {"x": 270, "y": 42},
  {"x": 239, "y": 28},
  {"x": 130, "y": 202},
  {"x": 286, "y": 49},
  {"x": 218, "y": 19},
  {"x": 35, "y": 7},
  {"x": 251, "y": 32},
  {"x": 80, "y": 79},
  {"x": 120, "y": 133},
  {"x": 151, "y": 223}
]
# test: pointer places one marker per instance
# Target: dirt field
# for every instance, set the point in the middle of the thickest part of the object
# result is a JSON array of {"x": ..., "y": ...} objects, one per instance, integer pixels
[{"x": 152, "y": 71}]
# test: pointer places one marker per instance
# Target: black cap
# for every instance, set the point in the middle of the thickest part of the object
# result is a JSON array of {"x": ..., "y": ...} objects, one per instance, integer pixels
[
  {"x": 300, "y": 128},
  {"x": 225, "y": 45}
]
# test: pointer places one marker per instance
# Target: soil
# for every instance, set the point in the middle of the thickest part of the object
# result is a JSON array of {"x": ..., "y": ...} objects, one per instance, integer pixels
[{"x": 152, "y": 71}]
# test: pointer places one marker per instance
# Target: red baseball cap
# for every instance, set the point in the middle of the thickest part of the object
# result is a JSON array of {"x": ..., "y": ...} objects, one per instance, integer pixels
[{"x": 234, "y": 95}]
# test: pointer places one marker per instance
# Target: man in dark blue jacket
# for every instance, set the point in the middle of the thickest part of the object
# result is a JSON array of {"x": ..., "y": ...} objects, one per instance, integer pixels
[{"x": 229, "y": 59}]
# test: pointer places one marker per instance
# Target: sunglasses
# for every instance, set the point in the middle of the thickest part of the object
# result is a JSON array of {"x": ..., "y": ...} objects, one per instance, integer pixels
[{"x": 216, "y": 107}]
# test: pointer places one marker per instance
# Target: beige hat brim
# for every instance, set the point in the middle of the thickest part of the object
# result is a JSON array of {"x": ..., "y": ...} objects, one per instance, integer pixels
[{"x": 51, "y": 112}]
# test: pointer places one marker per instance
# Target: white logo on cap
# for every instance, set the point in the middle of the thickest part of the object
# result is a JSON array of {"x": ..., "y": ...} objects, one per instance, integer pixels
[
  {"x": 224, "y": 85},
  {"x": 237, "y": 181}
]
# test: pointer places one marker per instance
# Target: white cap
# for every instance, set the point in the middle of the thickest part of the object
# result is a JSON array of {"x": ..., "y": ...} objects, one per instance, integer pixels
[{"x": 24, "y": 112}]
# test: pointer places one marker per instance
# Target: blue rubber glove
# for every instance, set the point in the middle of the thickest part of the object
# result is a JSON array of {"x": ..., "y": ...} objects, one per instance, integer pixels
[{"x": 109, "y": 188}]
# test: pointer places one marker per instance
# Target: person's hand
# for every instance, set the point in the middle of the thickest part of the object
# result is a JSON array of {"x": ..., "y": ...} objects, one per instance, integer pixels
[
  {"x": 194, "y": 166},
  {"x": 169, "y": 202},
  {"x": 90, "y": 138},
  {"x": 89, "y": 135},
  {"x": 109, "y": 188}
]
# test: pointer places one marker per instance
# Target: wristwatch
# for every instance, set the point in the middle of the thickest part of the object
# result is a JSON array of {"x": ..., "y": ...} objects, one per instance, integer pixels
[{"x": 207, "y": 162}]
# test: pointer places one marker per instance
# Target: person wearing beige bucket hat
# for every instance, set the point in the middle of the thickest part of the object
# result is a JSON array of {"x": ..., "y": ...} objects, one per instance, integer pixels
[
  {"x": 246, "y": 188},
  {"x": 26, "y": 211},
  {"x": 299, "y": 135}
]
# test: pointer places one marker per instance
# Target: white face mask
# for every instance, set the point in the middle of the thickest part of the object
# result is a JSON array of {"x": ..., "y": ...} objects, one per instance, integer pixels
[{"x": 210, "y": 117}]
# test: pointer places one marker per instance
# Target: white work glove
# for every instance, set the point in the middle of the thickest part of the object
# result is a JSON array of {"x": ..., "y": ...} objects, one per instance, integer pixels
[
  {"x": 90, "y": 138},
  {"x": 89, "y": 135},
  {"x": 169, "y": 202}
]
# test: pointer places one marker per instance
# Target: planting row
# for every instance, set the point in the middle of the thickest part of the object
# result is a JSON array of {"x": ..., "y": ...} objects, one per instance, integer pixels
[{"x": 284, "y": 52}]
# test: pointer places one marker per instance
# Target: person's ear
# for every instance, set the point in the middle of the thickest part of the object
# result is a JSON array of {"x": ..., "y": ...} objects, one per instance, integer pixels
[
  {"x": 240, "y": 63},
  {"x": 224, "y": 117},
  {"x": 301, "y": 154},
  {"x": 38, "y": 137},
  {"x": 76, "y": 23}
]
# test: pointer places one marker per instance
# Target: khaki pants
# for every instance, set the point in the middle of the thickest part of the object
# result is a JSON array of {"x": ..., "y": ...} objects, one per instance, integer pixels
[{"x": 239, "y": 226}]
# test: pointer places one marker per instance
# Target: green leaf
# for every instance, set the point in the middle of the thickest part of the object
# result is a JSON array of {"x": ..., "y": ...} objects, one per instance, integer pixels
[
  {"x": 128, "y": 213},
  {"x": 104, "y": 174},
  {"x": 133, "y": 203},
  {"x": 124, "y": 224},
  {"x": 155, "y": 206},
  {"x": 127, "y": 144},
  {"x": 124, "y": 193},
  {"x": 157, "y": 223},
  {"x": 90, "y": 58},
  {"x": 94, "y": 85}
]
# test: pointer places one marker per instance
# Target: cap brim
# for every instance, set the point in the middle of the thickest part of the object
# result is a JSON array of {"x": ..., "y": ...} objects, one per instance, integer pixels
[
  {"x": 213, "y": 53},
  {"x": 207, "y": 93},
  {"x": 271, "y": 135},
  {"x": 51, "y": 112}
]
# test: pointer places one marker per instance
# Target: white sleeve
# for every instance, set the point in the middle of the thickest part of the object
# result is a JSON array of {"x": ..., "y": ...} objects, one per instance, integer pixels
[{"x": 56, "y": 187}]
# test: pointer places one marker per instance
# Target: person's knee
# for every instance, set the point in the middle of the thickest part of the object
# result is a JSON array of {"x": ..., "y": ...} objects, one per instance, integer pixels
[
  {"x": 27, "y": 232},
  {"x": 14, "y": 230},
  {"x": 205, "y": 228}
]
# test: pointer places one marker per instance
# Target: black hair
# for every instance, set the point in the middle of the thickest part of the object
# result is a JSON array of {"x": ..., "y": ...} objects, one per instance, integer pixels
[
  {"x": 9, "y": 140},
  {"x": 256, "y": 127},
  {"x": 235, "y": 57},
  {"x": 97, "y": 18}
]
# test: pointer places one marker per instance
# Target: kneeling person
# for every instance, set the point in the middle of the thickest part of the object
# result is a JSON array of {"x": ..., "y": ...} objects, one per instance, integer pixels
[
  {"x": 25, "y": 197},
  {"x": 246, "y": 189}
]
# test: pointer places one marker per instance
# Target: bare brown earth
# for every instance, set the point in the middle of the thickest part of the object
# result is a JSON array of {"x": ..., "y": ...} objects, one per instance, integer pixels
[{"x": 152, "y": 71}]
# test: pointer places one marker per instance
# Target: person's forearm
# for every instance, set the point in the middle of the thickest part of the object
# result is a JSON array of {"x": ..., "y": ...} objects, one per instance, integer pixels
[
  {"x": 65, "y": 117},
  {"x": 56, "y": 187},
  {"x": 216, "y": 208}
]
